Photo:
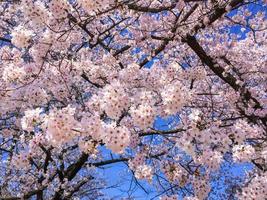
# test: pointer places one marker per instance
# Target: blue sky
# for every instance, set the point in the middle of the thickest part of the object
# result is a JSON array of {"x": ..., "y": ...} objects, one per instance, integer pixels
[{"x": 119, "y": 173}]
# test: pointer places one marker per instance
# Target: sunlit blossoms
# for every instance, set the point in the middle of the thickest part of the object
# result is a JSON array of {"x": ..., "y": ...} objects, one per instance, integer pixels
[
  {"x": 174, "y": 97},
  {"x": 21, "y": 161},
  {"x": 90, "y": 6},
  {"x": 31, "y": 118},
  {"x": 174, "y": 172},
  {"x": 108, "y": 99},
  {"x": 59, "y": 125},
  {"x": 143, "y": 116},
  {"x": 115, "y": 100},
  {"x": 36, "y": 12},
  {"x": 117, "y": 138},
  {"x": 144, "y": 172},
  {"x": 201, "y": 187},
  {"x": 88, "y": 147},
  {"x": 59, "y": 8},
  {"x": 243, "y": 153},
  {"x": 92, "y": 126},
  {"x": 21, "y": 37},
  {"x": 256, "y": 189},
  {"x": 13, "y": 73},
  {"x": 211, "y": 159}
]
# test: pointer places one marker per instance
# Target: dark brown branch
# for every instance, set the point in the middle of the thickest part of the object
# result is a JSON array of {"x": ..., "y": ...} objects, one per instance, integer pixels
[
  {"x": 74, "y": 168},
  {"x": 157, "y": 132},
  {"x": 150, "y": 9}
]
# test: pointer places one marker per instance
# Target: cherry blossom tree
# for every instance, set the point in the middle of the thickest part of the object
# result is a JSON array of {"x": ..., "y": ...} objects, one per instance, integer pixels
[{"x": 80, "y": 78}]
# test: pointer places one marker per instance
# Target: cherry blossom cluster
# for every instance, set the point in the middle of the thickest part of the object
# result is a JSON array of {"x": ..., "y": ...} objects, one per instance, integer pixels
[
  {"x": 91, "y": 126},
  {"x": 21, "y": 161},
  {"x": 36, "y": 12},
  {"x": 139, "y": 159},
  {"x": 166, "y": 86},
  {"x": 88, "y": 147},
  {"x": 243, "y": 153},
  {"x": 115, "y": 100},
  {"x": 211, "y": 158},
  {"x": 174, "y": 172},
  {"x": 144, "y": 172},
  {"x": 59, "y": 8},
  {"x": 59, "y": 125},
  {"x": 13, "y": 73},
  {"x": 35, "y": 144},
  {"x": 201, "y": 187},
  {"x": 196, "y": 73},
  {"x": 174, "y": 97},
  {"x": 256, "y": 189},
  {"x": 140, "y": 168},
  {"x": 21, "y": 37},
  {"x": 91, "y": 6},
  {"x": 31, "y": 119},
  {"x": 116, "y": 138},
  {"x": 143, "y": 116}
]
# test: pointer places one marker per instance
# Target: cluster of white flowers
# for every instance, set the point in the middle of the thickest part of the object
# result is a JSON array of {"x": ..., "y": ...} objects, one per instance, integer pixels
[
  {"x": 174, "y": 70},
  {"x": 90, "y": 6},
  {"x": 196, "y": 73},
  {"x": 116, "y": 138},
  {"x": 91, "y": 125},
  {"x": 243, "y": 153},
  {"x": 21, "y": 37},
  {"x": 242, "y": 129},
  {"x": 59, "y": 125},
  {"x": 31, "y": 68},
  {"x": 21, "y": 161},
  {"x": 186, "y": 145},
  {"x": 195, "y": 115},
  {"x": 246, "y": 129},
  {"x": 139, "y": 159},
  {"x": 130, "y": 75},
  {"x": 143, "y": 116},
  {"x": 99, "y": 73},
  {"x": 256, "y": 189},
  {"x": 174, "y": 98},
  {"x": 30, "y": 119},
  {"x": 115, "y": 100},
  {"x": 35, "y": 11},
  {"x": 145, "y": 97},
  {"x": 88, "y": 147},
  {"x": 38, "y": 51},
  {"x": 35, "y": 95},
  {"x": 174, "y": 172},
  {"x": 59, "y": 8},
  {"x": 135, "y": 139},
  {"x": 94, "y": 104},
  {"x": 211, "y": 158},
  {"x": 13, "y": 73},
  {"x": 201, "y": 187},
  {"x": 144, "y": 172}
]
